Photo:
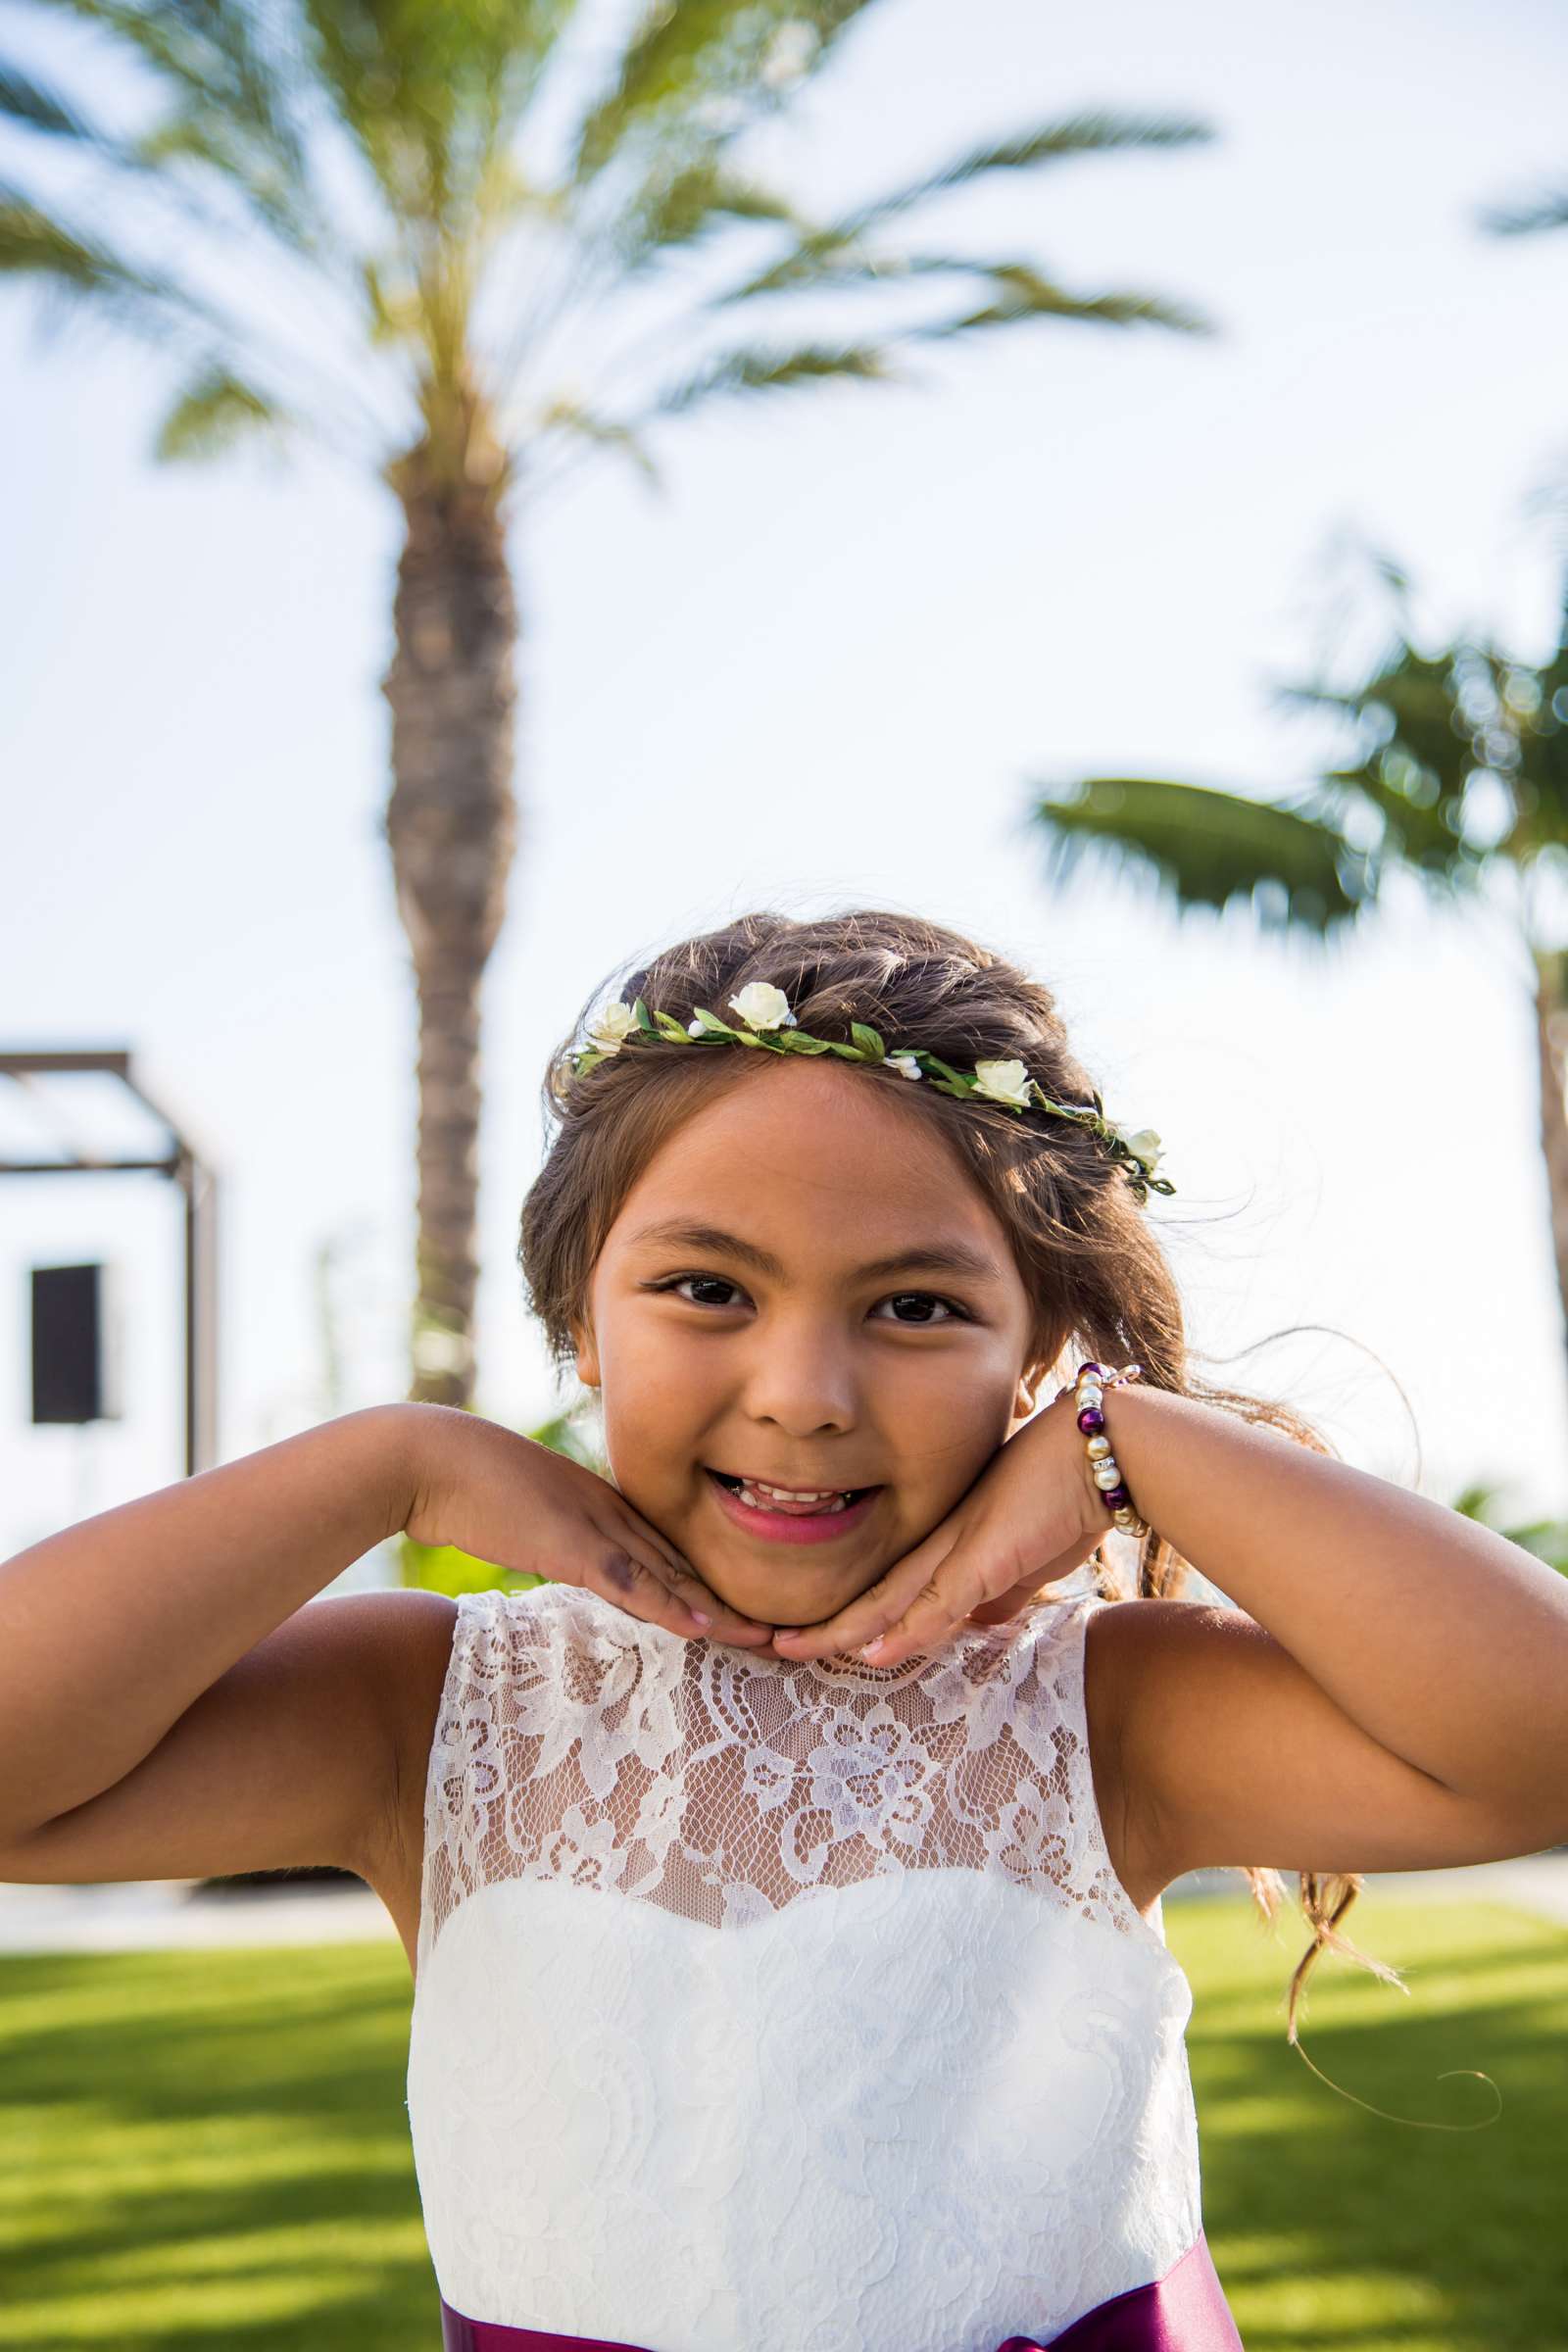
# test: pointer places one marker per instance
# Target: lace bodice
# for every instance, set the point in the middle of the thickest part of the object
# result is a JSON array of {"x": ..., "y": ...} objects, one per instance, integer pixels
[{"x": 792, "y": 2004}]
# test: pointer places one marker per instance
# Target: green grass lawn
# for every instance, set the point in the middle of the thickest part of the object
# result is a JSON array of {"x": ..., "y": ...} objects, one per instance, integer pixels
[
  {"x": 1332, "y": 2226},
  {"x": 211, "y": 2149}
]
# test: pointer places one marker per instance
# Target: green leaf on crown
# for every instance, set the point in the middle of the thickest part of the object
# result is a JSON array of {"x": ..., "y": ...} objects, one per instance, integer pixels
[
  {"x": 868, "y": 1041},
  {"x": 644, "y": 1017}
]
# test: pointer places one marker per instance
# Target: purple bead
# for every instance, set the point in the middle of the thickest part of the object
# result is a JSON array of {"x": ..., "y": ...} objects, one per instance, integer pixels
[
  {"x": 1116, "y": 1498},
  {"x": 1090, "y": 1419},
  {"x": 1095, "y": 1371}
]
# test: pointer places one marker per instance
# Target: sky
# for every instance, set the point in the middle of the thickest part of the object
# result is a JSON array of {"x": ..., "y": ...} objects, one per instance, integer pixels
[{"x": 825, "y": 670}]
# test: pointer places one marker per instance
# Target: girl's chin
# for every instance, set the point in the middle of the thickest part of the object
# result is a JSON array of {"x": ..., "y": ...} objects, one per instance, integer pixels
[{"x": 805, "y": 1602}]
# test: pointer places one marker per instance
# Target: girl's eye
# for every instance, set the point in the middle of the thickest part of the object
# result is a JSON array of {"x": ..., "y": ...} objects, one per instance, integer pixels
[
  {"x": 712, "y": 1282},
  {"x": 951, "y": 1311}
]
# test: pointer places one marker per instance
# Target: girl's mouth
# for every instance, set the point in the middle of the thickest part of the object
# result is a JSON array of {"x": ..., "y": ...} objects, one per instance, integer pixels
[{"x": 815, "y": 1521}]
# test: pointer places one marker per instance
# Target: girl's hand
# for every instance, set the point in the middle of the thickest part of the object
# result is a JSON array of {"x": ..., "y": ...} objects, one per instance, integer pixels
[
  {"x": 508, "y": 1498},
  {"x": 1032, "y": 1516}
]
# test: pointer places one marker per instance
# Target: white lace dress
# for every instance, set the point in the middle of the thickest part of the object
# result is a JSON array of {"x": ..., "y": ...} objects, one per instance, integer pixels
[{"x": 788, "y": 2006}]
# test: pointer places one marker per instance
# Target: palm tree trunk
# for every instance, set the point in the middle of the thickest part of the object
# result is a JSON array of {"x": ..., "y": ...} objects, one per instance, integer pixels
[
  {"x": 452, "y": 825},
  {"x": 1552, "y": 1027}
]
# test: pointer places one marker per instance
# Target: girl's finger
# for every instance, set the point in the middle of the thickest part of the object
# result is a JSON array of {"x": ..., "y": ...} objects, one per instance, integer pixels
[
  {"x": 616, "y": 1574},
  {"x": 962, "y": 1582},
  {"x": 674, "y": 1594},
  {"x": 653, "y": 1545},
  {"x": 867, "y": 1614},
  {"x": 924, "y": 1597}
]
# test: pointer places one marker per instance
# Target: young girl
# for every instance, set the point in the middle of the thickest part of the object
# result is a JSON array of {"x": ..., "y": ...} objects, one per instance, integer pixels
[{"x": 781, "y": 1879}]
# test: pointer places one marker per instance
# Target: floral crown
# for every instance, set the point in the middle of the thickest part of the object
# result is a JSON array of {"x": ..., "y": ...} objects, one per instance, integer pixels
[{"x": 766, "y": 1020}]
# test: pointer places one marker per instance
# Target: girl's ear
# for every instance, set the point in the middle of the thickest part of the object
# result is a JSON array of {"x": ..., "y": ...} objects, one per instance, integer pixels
[
  {"x": 1031, "y": 1380},
  {"x": 587, "y": 1356}
]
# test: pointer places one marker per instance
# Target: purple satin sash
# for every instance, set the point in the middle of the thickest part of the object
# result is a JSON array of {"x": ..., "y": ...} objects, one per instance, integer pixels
[{"x": 1186, "y": 2311}]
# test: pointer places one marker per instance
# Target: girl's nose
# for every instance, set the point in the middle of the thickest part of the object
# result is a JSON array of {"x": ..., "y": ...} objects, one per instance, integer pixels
[{"x": 801, "y": 1380}]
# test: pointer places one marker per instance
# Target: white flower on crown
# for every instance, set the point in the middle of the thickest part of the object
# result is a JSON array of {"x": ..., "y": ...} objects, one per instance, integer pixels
[
  {"x": 1003, "y": 1082},
  {"x": 761, "y": 1006},
  {"x": 611, "y": 1026},
  {"x": 905, "y": 1063},
  {"x": 1144, "y": 1147}
]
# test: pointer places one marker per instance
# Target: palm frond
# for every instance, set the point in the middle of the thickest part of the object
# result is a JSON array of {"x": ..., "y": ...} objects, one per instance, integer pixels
[
  {"x": 688, "y": 56},
  {"x": 88, "y": 280},
  {"x": 757, "y": 370},
  {"x": 680, "y": 205},
  {"x": 1525, "y": 220},
  {"x": 1430, "y": 724},
  {"x": 568, "y": 416},
  {"x": 72, "y": 261},
  {"x": 1092, "y": 133},
  {"x": 214, "y": 413},
  {"x": 835, "y": 255},
  {"x": 242, "y": 168},
  {"x": 822, "y": 257},
  {"x": 37, "y": 107},
  {"x": 1420, "y": 694},
  {"x": 1023, "y": 293},
  {"x": 429, "y": 95},
  {"x": 234, "y": 83},
  {"x": 1205, "y": 848}
]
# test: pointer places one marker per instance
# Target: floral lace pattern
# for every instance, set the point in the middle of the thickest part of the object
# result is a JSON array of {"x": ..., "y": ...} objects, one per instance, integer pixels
[
  {"x": 932, "y": 2093},
  {"x": 577, "y": 1744}
]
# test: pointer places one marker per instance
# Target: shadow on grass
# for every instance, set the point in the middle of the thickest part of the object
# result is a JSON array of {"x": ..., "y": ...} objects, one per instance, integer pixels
[
  {"x": 1335, "y": 2226},
  {"x": 199, "y": 2149}
]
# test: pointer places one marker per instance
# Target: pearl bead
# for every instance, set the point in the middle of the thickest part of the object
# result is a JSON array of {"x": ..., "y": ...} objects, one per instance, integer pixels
[
  {"x": 1106, "y": 1475},
  {"x": 1098, "y": 1447},
  {"x": 1094, "y": 1393}
]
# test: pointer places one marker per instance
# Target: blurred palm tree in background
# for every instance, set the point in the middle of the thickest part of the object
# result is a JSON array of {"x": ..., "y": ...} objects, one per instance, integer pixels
[
  {"x": 458, "y": 247},
  {"x": 1547, "y": 1539},
  {"x": 1458, "y": 777}
]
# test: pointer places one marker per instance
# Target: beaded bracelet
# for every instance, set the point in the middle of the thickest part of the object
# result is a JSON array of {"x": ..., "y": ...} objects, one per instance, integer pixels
[{"x": 1090, "y": 1385}]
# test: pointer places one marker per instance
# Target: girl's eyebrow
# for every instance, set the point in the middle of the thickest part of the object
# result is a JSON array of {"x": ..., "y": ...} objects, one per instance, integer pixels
[{"x": 931, "y": 1257}]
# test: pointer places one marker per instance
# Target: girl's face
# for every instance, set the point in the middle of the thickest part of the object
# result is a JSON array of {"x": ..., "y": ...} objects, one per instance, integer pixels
[{"x": 804, "y": 1287}]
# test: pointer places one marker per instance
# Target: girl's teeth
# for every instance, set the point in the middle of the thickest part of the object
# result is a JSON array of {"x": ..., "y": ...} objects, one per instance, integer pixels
[{"x": 822, "y": 1504}]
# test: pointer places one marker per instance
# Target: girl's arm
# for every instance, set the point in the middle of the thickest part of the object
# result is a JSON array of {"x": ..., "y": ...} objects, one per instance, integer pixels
[
  {"x": 1402, "y": 1699},
  {"x": 167, "y": 1706},
  {"x": 170, "y": 1707},
  {"x": 1392, "y": 1691}
]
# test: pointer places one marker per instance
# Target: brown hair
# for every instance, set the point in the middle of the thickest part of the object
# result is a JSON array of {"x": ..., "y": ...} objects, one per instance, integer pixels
[{"x": 1085, "y": 1249}]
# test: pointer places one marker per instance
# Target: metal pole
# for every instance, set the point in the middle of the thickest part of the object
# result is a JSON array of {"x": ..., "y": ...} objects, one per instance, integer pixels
[{"x": 200, "y": 1187}]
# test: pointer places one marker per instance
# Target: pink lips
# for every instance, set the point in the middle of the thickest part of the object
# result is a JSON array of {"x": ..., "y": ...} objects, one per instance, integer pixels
[{"x": 784, "y": 1527}]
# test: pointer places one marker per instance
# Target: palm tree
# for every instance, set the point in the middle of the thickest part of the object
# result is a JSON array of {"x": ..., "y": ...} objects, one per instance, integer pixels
[
  {"x": 357, "y": 222},
  {"x": 1459, "y": 777}
]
